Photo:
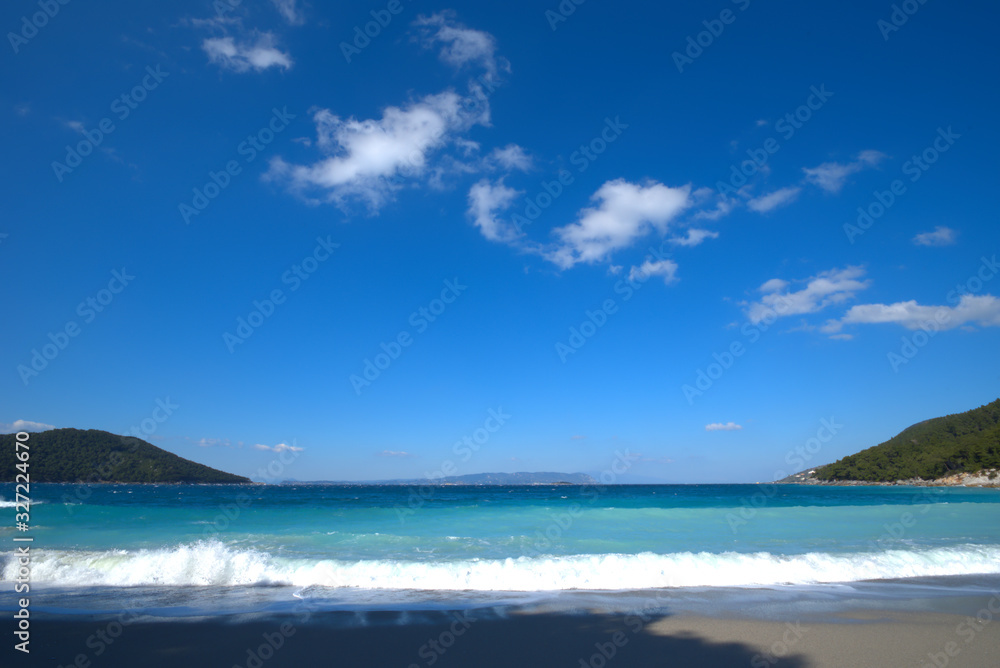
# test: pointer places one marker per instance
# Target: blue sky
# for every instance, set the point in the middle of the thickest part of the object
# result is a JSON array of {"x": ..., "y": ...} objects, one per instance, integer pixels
[{"x": 717, "y": 241}]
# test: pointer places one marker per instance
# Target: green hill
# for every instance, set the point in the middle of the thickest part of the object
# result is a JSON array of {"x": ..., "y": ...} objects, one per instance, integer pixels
[
  {"x": 75, "y": 455},
  {"x": 964, "y": 442}
]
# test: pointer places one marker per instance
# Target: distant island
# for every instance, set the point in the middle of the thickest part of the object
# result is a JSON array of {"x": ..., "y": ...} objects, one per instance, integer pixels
[
  {"x": 94, "y": 456},
  {"x": 959, "y": 449},
  {"x": 523, "y": 478}
]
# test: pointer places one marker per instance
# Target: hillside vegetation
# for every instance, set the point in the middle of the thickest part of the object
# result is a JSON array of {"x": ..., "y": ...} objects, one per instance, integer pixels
[
  {"x": 964, "y": 442},
  {"x": 75, "y": 455}
]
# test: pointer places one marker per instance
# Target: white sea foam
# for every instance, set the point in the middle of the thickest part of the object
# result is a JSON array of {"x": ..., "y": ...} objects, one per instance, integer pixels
[
  {"x": 10, "y": 504},
  {"x": 213, "y": 563}
]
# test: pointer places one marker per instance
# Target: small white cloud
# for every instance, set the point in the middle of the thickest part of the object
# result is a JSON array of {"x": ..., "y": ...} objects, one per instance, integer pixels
[
  {"x": 259, "y": 55},
  {"x": 485, "y": 201},
  {"x": 694, "y": 237},
  {"x": 23, "y": 425},
  {"x": 577, "y": 437},
  {"x": 511, "y": 157},
  {"x": 460, "y": 45},
  {"x": 289, "y": 11},
  {"x": 941, "y": 236},
  {"x": 831, "y": 176},
  {"x": 665, "y": 268},
  {"x": 824, "y": 289},
  {"x": 394, "y": 453},
  {"x": 982, "y": 310},
  {"x": 623, "y": 213},
  {"x": 773, "y": 200},
  {"x": 212, "y": 442},
  {"x": 723, "y": 207},
  {"x": 280, "y": 447},
  {"x": 719, "y": 426}
]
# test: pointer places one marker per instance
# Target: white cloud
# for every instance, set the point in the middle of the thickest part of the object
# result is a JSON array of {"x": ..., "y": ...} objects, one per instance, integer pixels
[
  {"x": 822, "y": 290},
  {"x": 257, "y": 55},
  {"x": 511, "y": 156},
  {"x": 773, "y": 200},
  {"x": 718, "y": 426},
  {"x": 694, "y": 237},
  {"x": 941, "y": 236},
  {"x": 394, "y": 453},
  {"x": 665, "y": 268},
  {"x": 211, "y": 442},
  {"x": 624, "y": 212},
  {"x": 773, "y": 285},
  {"x": 280, "y": 447},
  {"x": 982, "y": 310},
  {"x": 485, "y": 200},
  {"x": 577, "y": 437},
  {"x": 367, "y": 159},
  {"x": 23, "y": 425},
  {"x": 460, "y": 45},
  {"x": 831, "y": 176},
  {"x": 723, "y": 207},
  {"x": 289, "y": 11}
]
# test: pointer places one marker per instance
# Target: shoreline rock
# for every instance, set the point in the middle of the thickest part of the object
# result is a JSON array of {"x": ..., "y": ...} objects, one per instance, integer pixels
[{"x": 989, "y": 478}]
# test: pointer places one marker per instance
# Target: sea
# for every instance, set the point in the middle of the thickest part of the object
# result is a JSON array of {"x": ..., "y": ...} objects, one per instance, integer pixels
[{"x": 169, "y": 551}]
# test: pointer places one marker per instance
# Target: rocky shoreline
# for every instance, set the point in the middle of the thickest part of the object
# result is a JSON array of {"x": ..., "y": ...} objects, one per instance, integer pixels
[{"x": 981, "y": 478}]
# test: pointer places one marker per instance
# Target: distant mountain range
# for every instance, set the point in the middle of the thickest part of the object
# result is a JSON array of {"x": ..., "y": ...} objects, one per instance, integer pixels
[
  {"x": 523, "y": 478},
  {"x": 76, "y": 455},
  {"x": 966, "y": 442}
]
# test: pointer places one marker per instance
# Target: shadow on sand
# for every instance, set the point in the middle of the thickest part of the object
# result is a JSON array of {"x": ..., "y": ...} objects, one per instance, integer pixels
[{"x": 544, "y": 640}]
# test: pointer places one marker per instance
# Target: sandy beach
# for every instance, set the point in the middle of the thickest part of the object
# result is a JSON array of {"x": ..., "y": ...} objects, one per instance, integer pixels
[{"x": 863, "y": 638}]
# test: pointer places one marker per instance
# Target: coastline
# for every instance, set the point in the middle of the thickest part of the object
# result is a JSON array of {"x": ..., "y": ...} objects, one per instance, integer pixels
[{"x": 984, "y": 478}]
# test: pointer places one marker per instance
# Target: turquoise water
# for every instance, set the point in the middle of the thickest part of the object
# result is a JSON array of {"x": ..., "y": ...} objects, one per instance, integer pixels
[{"x": 345, "y": 541}]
